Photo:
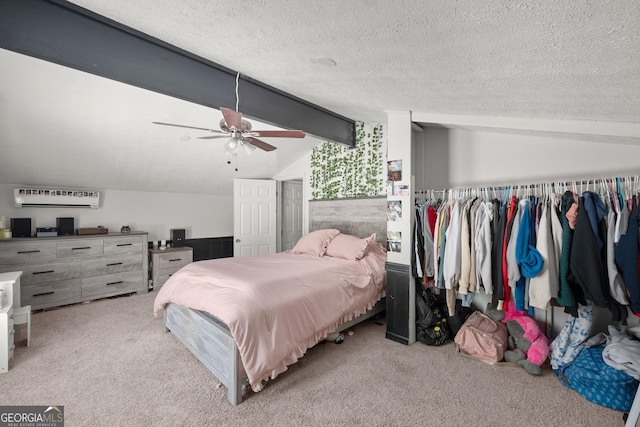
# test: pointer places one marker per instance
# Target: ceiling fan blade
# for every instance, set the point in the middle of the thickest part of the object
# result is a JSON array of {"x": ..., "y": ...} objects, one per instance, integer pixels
[
  {"x": 278, "y": 133},
  {"x": 188, "y": 127},
  {"x": 232, "y": 118},
  {"x": 213, "y": 137},
  {"x": 260, "y": 144}
]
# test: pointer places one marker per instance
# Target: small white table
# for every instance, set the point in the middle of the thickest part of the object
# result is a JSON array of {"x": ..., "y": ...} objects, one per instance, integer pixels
[{"x": 10, "y": 284}]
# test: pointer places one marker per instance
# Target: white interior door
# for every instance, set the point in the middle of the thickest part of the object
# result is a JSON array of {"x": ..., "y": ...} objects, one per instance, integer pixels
[
  {"x": 291, "y": 214},
  {"x": 254, "y": 223}
]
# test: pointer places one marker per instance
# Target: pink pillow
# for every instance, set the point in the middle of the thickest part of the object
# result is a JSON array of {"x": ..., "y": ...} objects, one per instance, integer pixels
[
  {"x": 315, "y": 243},
  {"x": 349, "y": 247}
]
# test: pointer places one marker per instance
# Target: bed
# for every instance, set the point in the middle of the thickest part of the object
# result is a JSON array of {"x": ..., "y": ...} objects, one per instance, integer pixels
[{"x": 247, "y": 334}]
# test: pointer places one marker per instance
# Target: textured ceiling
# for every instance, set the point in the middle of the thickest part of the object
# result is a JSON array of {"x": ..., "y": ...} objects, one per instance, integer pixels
[{"x": 537, "y": 60}]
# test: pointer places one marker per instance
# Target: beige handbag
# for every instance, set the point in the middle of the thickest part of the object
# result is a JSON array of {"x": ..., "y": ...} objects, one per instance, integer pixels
[{"x": 481, "y": 337}]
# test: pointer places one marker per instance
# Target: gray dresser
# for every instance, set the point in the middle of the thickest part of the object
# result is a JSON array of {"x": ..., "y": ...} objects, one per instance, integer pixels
[{"x": 69, "y": 269}]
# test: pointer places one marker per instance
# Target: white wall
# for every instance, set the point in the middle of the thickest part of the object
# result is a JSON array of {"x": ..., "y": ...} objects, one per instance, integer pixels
[
  {"x": 479, "y": 158},
  {"x": 154, "y": 212}
]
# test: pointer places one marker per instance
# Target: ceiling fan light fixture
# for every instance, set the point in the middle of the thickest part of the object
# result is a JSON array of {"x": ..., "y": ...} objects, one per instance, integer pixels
[{"x": 231, "y": 146}]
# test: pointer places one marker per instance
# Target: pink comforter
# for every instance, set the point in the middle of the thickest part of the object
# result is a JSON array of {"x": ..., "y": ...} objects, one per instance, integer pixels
[{"x": 278, "y": 305}]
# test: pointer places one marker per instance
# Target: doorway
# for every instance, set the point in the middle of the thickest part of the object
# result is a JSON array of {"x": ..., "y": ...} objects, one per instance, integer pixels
[{"x": 291, "y": 227}]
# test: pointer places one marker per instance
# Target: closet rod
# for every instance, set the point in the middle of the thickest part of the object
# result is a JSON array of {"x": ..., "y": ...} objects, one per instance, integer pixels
[{"x": 566, "y": 184}]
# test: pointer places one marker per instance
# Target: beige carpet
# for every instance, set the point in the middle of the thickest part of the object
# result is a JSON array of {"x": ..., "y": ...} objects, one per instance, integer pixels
[{"x": 109, "y": 362}]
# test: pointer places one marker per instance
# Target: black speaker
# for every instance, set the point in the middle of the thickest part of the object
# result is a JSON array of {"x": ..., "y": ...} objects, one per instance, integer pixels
[
  {"x": 177, "y": 237},
  {"x": 21, "y": 227},
  {"x": 65, "y": 226}
]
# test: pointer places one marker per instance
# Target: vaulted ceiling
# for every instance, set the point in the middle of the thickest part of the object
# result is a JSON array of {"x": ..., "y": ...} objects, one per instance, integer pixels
[{"x": 480, "y": 63}]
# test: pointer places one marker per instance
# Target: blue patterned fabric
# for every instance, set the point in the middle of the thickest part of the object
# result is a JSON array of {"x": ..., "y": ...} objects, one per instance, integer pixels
[
  {"x": 598, "y": 382},
  {"x": 576, "y": 330}
]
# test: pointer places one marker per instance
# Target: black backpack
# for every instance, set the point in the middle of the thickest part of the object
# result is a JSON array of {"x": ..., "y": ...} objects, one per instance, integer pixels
[{"x": 431, "y": 317}]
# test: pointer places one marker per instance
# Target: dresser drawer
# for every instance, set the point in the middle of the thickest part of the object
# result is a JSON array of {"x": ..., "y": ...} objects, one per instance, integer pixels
[
  {"x": 27, "y": 251},
  {"x": 79, "y": 247},
  {"x": 46, "y": 271},
  {"x": 111, "y": 284},
  {"x": 111, "y": 264},
  {"x": 122, "y": 244},
  {"x": 172, "y": 262},
  {"x": 51, "y": 294}
]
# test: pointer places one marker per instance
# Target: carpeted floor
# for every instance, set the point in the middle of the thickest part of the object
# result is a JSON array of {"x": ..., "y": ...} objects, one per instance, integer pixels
[{"x": 109, "y": 362}]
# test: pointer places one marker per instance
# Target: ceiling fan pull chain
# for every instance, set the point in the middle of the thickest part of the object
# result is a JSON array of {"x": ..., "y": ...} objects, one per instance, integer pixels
[{"x": 237, "y": 99}]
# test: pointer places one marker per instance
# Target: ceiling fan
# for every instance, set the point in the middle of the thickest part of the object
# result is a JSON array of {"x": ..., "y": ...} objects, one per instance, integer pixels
[{"x": 239, "y": 133}]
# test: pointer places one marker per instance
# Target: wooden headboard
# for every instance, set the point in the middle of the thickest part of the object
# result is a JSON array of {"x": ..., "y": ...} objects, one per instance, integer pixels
[{"x": 359, "y": 217}]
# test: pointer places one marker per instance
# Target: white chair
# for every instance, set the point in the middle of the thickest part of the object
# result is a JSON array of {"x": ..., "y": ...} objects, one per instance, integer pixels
[{"x": 22, "y": 315}]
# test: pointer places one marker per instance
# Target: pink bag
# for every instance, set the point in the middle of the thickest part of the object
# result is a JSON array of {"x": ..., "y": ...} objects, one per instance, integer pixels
[{"x": 481, "y": 337}]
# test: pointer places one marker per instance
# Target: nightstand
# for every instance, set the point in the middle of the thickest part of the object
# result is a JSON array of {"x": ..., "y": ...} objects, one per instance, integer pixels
[{"x": 163, "y": 264}]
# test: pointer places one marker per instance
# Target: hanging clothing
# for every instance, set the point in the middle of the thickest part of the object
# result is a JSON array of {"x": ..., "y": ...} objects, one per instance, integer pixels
[
  {"x": 451, "y": 266},
  {"x": 465, "y": 250},
  {"x": 621, "y": 222},
  {"x": 473, "y": 211},
  {"x": 511, "y": 211},
  {"x": 534, "y": 251},
  {"x": 496, "y": 258},
  {"x": 540, "y": 286},
  {"x": 587, "y": 263},
  {"x": 428, "y": 224},
  {"x": 527, "y": 255},
  {"x": 626, "y": 256},
  {"x": 617, "y": 287},
  {"x": 442, "y": 243},
  {"x": 556, "y": 234},
  {"x": 566, "y": 296},
  {"x": 417, "y": 239},
  {"x": 484, "y": 219},
  {"x": 516, "y": 280}
]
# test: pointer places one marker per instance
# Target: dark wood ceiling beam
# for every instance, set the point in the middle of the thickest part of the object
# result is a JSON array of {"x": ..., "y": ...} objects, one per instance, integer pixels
[{"x": 66, "y": 34}]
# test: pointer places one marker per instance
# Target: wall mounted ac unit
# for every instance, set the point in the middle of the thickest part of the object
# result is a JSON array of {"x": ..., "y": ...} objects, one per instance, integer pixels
[{"x": 54, "y": 198}]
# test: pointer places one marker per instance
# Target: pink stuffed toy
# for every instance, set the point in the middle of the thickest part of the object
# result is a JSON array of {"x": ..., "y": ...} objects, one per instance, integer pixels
[{"x": 528, "y": 346}]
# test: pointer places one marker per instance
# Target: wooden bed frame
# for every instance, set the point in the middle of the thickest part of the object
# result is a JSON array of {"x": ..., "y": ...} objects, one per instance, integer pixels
[{"x": 209, "y": 339}]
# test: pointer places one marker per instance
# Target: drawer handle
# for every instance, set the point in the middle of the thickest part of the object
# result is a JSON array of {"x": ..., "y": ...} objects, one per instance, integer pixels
[
  {"x": 175, "y": 259},
  {"x": 124, "y": 244},
  {"x": 115, "y": 283},
  {"x": 43, "y": 272},
  {"x": 114, "y": 263},
  {"x": 43, "y": 294},
  {"x": 29, "y": 252},
  {"x": 81, "y": 247}
]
